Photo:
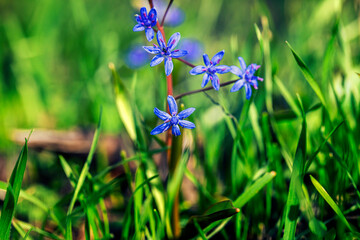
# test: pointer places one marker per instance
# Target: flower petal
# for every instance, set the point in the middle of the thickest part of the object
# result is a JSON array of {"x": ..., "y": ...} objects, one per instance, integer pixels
[
  {"x": 156, "y": 60},
  {"x": 248, "y": 91},
  {"x": 169, "y": 66},
  {"x": 160, "y": 129},
  {"x": 237, "y": 71},
  {"x": 222, "y": 69},
  {"x": 178, "y": 53},
  {"x": 149, "y": 34},
  {"x": 176, "y": 130},
  {"x": 138, "y": 18},
  {"x": 173, "y": 41},
  {"x": 152, "y": 15},
  {"x": 217, "y": 58},
  {"x": 160, "y": 40},
  {"x": 206, "y": 59},
  {"x": 152, "y": 50},
  {"x": 205, "y": 80},
  {"x": 186, "y": 124},
  {"x": 185, "y": 113},
  {"x": 143, "y": 13},
  {"x": 238, "y": 85},
  {"x": 172, "y": 105},
  {"x": 242, "y": 64},
  {"x": 198, "y": 70},
  {"x": 260, "y": 79},
  {"x": 215, "y": 82},
  {"x": 138, "y": 28},
  {"x": 161, "y": 114}
]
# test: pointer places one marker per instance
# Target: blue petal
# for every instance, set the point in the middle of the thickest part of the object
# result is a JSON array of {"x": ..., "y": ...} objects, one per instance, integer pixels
[
  {"x": 248, "y": 91},
  {"x": 143, "y": 13},
  {"x": 176, "y": 130},
  {"x": 185, "y": 113},
  {"x": 152, "y": 15},
  {"x": 161, "y": 114},
  {"x": 238, "y": 85},
  {"x": 138, "y": 28},
  {"x": 173, "y": 41},
  {"x": 215, "y": 82},
  {"x": 160, "y": 40},
  {"x": 206, "y": 59},
  {"x": 242, "y": 64},
  {"x": 172, "y": 105},
  {"x": 160, "y": 129},
  {"x": 222, "y": 69},
  {"x": 149, "y": 34},
  {"x": 169, "y": 66},
  {"x": 156, "y": 60},
  {"x": 260, "y": 79},
  {"x": 152, "y": 50},
  {"x": 186, "y": 124},
  {"x": 237, "y": 71},
  {"x": 198, "y": 70},
  {"x": 217, "y": 58},
  {"x": 205, "y": 80},
  {"x": 178, "y": 53},
  {"x": 138, "y": 18},
  {"x": 254, "y": 82}
]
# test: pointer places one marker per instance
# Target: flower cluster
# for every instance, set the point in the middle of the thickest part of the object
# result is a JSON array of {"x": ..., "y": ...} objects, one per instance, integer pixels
[{"x": 210, "y": 69}]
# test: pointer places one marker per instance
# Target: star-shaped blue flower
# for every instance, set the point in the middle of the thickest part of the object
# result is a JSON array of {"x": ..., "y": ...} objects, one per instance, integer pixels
[
  {"x": 210, "y": 69},
  {"x": 165, "y": 52},
  {"x": 146, "y": 22},
  {"x": 174, "y": 119},
  {"x": 247, "y": 78}
]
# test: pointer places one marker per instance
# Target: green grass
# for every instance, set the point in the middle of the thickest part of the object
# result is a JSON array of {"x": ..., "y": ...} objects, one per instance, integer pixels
[{"x": 284, "y": 164}]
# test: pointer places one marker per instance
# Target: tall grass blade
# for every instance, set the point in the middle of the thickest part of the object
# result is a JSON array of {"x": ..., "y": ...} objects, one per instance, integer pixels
[
  {"x": 12, "y": 193},
  {"x": 330, "y": 201},
  {"x": 308, "y": 76},
  {"x": 82, "y": 177},
  {"x": 295, "y": 189}
]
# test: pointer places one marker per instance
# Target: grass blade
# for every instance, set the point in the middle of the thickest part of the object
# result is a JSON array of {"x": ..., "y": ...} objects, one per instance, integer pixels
[
  {"x": 254, "y": 189},
  {"x": 308, "y": 76},
  {"x": 82, "y": 177},
  {"x": 12, "y": 193},
  {"x": 295, "y": 189},
  {"x": 330, "y": 201}
]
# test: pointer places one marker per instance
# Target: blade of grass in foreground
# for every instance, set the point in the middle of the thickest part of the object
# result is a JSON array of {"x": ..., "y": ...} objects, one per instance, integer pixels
[
  {"x": 330, "y": 201},
  {"x": 295, "y": 189},
  {"x": 12, "y": 193},
  {"x": 82, "y": 177}
]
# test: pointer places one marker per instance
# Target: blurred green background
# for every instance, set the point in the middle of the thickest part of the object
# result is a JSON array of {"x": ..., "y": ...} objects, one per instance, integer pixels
[{"x": 54, "y": 75}]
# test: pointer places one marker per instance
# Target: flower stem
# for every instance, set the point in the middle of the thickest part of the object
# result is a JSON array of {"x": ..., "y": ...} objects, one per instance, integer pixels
[
  {"x": 186, "y": 62},
  {"x": 204, "y": 89},
  {"x": 167, "y": 9}
]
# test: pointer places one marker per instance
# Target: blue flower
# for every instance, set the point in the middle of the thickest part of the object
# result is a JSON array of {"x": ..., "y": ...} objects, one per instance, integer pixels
[
  {"x": 174, "y": 119},
  {"x": 210, "y": 69},
  {"x": 146, "y": 22},
  {"x": 247, "y": 78},
  {"x": 165, "y": 52}
]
